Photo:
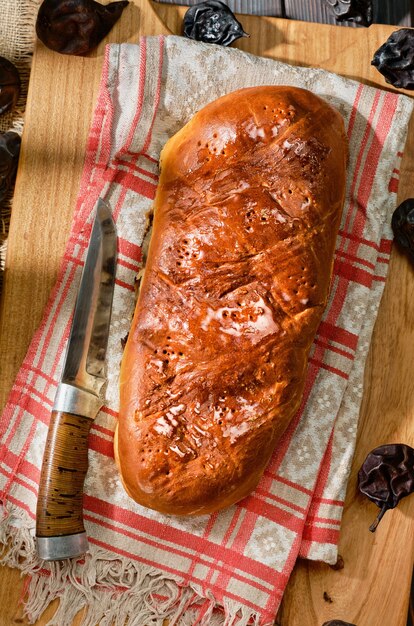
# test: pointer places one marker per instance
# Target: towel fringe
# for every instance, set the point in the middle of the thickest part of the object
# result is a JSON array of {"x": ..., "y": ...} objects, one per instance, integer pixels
[{"x": 111, "y": 591}]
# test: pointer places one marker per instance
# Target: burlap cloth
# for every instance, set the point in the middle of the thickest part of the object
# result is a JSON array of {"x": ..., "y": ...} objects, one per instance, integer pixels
[{"x": 17, "y": 18}]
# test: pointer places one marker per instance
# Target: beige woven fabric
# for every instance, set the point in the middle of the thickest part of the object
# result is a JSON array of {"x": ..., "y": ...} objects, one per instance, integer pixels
[{"x": 17, "y": 35}]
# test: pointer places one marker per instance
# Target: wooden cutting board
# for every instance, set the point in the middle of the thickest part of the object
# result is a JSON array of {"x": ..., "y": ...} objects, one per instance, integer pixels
[{"x": 373, "y": 586}]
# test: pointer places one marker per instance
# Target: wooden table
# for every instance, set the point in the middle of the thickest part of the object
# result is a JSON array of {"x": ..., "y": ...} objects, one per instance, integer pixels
[{"x": 373, "y": 586}]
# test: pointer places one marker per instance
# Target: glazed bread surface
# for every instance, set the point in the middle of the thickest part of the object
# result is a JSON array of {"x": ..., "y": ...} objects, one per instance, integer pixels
[{"x": 237, "y": 277}]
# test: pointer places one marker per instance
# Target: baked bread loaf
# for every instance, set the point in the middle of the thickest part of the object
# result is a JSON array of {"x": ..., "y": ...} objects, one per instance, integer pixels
[{"x": 237, "y": 277}]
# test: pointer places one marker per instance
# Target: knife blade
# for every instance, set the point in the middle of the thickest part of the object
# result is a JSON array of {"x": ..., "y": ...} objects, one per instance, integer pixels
[{"x": 60, "y": 533}]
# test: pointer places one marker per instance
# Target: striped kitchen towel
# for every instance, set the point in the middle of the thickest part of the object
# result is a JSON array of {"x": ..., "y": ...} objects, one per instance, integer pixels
[{"x": 231, "y": 567}]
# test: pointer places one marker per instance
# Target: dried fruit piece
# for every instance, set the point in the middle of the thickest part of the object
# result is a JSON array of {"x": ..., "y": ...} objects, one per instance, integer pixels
[
  {"x": 76, "y": 26},
  {"x": 337, "y": 622},
  {"x": 9, "y": 85},
  {"x": 402, "y": 223},
  {"x": 387, "y": 476},
  {"x": 395, "y": 59},
  {"x": 212, "y": 22},
  {"x": 358, "y": 11},
  {"x": 9, "y": 157}
]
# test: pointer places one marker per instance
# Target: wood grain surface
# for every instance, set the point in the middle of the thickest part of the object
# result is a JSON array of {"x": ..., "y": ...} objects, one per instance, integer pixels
[{"x": 373, "y": 586}]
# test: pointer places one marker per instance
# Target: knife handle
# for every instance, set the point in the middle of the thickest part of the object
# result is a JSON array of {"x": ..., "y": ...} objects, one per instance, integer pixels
[{"x": 59, "y": 521}]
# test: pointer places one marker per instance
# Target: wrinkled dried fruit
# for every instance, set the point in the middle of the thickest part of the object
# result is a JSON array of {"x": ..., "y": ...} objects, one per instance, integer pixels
[
  {"x": 358, "y": 11},
  {"x": 212, "y": 22},
  {"x": 9, "y": 157},
  {"x": 387, "y": 476},
  {"x": 402, "y": 223},
  {"x": 9, "y": 85},
  {"x": 395, "y": 59},
  {"x": 337, "y": 622},
  {"x": 76, "y": 26}
]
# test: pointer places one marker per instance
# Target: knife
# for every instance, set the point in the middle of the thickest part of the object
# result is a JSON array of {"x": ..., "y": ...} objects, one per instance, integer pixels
[{"x": 60, "y": 533}]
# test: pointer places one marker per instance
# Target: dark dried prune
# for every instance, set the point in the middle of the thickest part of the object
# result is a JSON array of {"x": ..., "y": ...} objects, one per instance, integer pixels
[
  {"x": 212, "y": 22},
  {"x": 395, "y": 59},
  {"x": 402, "y": 223},
  {"x": 358, "y": 11},
  {"x": 387, "y": 476},
  {"x": 9, "y": 156},
  {"x": 76, "y": 26},
  {"x": 9, "y": 85},
  {"x": 337, "y": 622}
]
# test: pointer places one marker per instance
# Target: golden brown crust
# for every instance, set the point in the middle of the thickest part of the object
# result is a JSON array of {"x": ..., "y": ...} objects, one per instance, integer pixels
[{"x": 246, "y": 216}]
